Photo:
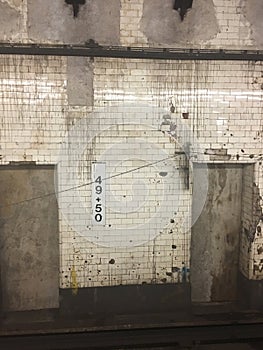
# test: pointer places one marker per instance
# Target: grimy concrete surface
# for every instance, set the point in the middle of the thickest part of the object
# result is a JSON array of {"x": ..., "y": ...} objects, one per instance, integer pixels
[
  {"x": 80, "y": 81},
  {"x": 162, "y": 25},
  {"x": 215, "y": 236},
  {"x": 10, "y": 20},
  {"x": 253, "y": 12},
  {"x": 52, "y": 21},
  {"x": 29, "y": 249}
]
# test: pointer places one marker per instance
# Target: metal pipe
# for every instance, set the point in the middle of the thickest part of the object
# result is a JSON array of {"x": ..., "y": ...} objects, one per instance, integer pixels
[{"x": 96, "y": 50}]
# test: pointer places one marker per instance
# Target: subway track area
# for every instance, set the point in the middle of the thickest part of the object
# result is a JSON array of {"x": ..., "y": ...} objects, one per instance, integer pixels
[{"x": 204, "y": 337}]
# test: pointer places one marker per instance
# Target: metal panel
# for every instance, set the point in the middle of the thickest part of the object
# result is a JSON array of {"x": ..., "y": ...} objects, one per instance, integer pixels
[{"x": 96, "y": 50}]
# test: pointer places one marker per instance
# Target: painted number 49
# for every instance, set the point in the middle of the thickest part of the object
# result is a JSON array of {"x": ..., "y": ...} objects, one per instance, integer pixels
[{"x": 98, "y": 193}]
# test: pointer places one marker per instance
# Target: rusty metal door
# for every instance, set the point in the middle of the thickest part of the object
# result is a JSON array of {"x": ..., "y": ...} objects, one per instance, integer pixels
[
  {"x": 215, "y": 235},
  {"x": 29, "y": 249}
]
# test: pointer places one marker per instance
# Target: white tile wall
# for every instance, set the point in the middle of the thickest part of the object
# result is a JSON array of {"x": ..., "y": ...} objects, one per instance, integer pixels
[
  {"x": 235, "y": 31},
  {"x": 33, "y": 101},
  {"x": 140, "y": 205},
  {"x": 224, "y": 104},
  {"x": 130, "y": 16}
]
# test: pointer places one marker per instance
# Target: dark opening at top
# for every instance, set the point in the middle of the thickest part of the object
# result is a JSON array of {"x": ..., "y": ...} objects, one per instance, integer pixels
[
  {"x": 182, "y": 6},
  {"x": 75, "y": 4}
]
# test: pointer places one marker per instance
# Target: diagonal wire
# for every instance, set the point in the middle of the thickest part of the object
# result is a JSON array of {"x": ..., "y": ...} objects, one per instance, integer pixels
[
  {"x": 85, "y": 184},
  {"x": 106, "y": 178}
]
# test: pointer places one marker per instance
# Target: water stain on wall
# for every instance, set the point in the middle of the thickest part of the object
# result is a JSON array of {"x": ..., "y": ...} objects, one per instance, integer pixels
[
  {"x": 95, "y": 21},
  {"x": 161, "y": 24}
]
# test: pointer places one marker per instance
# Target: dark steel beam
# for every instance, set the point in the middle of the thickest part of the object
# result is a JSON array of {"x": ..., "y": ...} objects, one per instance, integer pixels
[{"x": 130, "y": 52}]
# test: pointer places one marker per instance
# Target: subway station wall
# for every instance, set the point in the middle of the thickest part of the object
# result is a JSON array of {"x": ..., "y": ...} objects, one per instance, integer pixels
[
  {"x": 126, "y": 114},
  {"x": 144, "y": 112}
]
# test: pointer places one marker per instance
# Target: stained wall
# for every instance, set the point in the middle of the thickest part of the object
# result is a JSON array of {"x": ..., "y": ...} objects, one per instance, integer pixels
[{"x": 200, "y": 111}]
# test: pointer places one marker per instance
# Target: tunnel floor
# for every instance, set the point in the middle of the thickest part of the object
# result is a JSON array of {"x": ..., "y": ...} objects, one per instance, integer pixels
[
  {"x": 201, "y": 329},
  {"x": 45, "y": 321}
]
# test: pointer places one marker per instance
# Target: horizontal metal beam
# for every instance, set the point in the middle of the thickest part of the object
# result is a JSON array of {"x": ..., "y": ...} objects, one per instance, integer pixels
[{"x": 130, "y": 52}]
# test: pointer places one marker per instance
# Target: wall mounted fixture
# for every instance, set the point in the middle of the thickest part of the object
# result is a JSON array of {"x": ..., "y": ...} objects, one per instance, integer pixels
[
  {"x": 75, "y": 4},
  {"x": 182, "y": 7}
]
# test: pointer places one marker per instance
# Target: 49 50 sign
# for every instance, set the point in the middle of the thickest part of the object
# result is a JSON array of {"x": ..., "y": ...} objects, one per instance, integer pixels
[{"x": 98, "y": 193}]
